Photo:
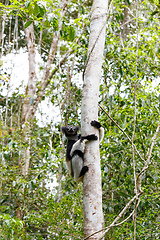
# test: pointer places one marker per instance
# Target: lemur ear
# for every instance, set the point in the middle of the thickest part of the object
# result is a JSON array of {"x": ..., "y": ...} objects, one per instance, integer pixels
[
  {"x": 77, "y": 128},
  {"x": 63, "y": 129}
]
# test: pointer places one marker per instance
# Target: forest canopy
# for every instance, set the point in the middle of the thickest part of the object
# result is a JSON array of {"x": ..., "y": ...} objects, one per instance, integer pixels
[{"x": 39, "y": 199}]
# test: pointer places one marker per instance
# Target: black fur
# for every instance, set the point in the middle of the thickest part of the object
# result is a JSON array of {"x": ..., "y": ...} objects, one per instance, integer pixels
[
  {"x": 83, "y": 171},
  {"x": 96, "y": 124},
  {"x": 76, "y": 148},
  {"x": 79, "y": 153},
  {"x": 69, "y": 147}
]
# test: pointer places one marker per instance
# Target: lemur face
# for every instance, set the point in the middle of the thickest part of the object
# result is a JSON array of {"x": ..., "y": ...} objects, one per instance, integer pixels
[{"x": 70, "y": 130}]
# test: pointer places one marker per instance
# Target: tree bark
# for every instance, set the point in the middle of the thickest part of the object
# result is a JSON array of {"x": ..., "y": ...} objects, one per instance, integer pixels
[
  {"x": 92, "y": 189},
  {"x": 27, "y": 110}
]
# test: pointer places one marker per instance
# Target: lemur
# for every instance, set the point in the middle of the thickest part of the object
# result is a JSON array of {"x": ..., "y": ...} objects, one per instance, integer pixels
[{"x": 75, "y": 149}]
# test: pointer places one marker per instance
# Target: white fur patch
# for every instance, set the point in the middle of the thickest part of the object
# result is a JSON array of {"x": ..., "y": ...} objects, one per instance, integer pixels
[
  {"x": 78, "y": 146},
  {"x": 77, "y": 165},
  {"x": 77, "y": 161}
]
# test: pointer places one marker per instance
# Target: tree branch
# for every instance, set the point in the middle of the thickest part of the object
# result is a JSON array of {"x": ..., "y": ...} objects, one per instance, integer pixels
[
  {"x": 122, "y": 132},
  {"x": 54, "y": 43},
  {"x": 42, "y": 87},
  {"x": 139, "y": 177},
  {"x": 113, "y": 224},
  {"x": 138, "y": 181}
]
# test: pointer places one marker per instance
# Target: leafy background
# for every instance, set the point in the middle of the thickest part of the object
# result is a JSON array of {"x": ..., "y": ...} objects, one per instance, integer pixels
[{"x": 50, "y": 199}]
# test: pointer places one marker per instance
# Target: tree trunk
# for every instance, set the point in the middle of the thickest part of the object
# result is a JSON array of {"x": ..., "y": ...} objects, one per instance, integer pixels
[
  {"x": 27, "y": 110},
  {"x": 92, "y": 189},
  {"x": 32, "y": 99},
  {"x": 32, "y": 80}
]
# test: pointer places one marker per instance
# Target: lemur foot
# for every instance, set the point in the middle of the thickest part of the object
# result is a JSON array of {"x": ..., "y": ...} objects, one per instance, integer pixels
[{"x": 84, "y": 170}]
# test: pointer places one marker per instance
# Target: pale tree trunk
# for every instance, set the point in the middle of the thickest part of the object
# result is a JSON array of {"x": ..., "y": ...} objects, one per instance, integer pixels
[
  {"x": 27, "y": 113},
  {"x": 27, "y": 110},
  {"x": 92, "y": 189},
  {"x": 32, "y": 99},
  {"x": 2, "y": 32}
]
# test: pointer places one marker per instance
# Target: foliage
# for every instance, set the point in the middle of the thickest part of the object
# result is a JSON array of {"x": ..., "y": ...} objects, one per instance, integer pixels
[
  {"x": 42, "y": 209},
  {"x": 50, "y": 200},
  {"x": 122, "y": 86},
  {"x": 11, "y": 228}
]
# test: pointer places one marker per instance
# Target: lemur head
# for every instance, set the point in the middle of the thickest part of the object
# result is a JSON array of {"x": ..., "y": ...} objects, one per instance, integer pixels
[{"x": 71, "y": 132}]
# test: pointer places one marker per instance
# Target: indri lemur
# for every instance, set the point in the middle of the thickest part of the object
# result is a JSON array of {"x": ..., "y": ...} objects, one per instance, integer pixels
[{"x": 75, "y": 149}]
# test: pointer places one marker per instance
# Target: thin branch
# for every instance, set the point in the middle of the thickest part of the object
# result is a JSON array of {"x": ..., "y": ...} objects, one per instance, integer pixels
[
  {"x": 135, "y": 115},
  {"x": 43, "y": 85},
  {"x": 130, "y": 215},
  {"x": 54, "y": 43},
  {"x": 70, "y": 51},
  {"x": 139, "y": 181},
  {"x": 62, "y": 61},
  {"x": 113, "y": 224},
  {"x": 149, "y": 153},
  {"x": 122, "y": 132},
  {"x": 139, "y": 177}
]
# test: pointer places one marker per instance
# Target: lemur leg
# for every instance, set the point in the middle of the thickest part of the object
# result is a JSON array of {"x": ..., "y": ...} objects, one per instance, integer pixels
[
  {"x": 77, "y": 154},
  {"x": 84, "y": 170},
  {"x": 77, "y": 166}
]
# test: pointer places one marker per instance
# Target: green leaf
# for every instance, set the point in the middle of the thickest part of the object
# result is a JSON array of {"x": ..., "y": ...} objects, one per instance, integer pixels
[
  {"x": 41, "y": 11},
  {"x": 27, "y": 3},
  {"x": 27, "y": 24},
  {"x": 36, "y": 10},
  {"x": 154, "y": 13},
  {"x": 128, "y": 2},
  {"x": 55, "y": 24},
  {"x": 71, "y": 33}
]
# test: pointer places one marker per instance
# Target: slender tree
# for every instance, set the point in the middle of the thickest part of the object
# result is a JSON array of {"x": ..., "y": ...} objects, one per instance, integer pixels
[
  {"x": 92, "y": 194},
  {"x": 32, "y": 99}
]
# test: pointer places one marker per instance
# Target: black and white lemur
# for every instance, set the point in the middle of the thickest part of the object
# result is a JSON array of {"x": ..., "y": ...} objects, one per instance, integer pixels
[{"x": 75, "y": 149}]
